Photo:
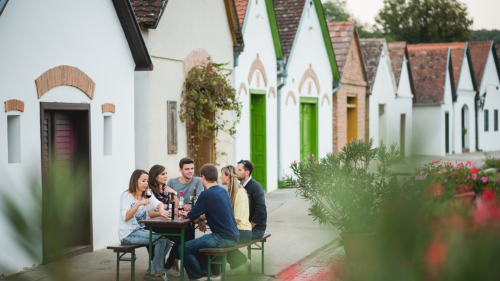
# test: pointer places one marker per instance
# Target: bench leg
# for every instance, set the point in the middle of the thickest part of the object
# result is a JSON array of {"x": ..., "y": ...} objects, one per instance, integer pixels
[
  {"x": 224, "y": 261},
  {"x": 249, "y": 248},
  {"x": 262, "y": 252},
  {"x": 183, "y": 244},
  {"x": 151, "y": 251},
  {"x": 133, "y": 267},
  {"x": 208, "y": 272},
  {"x": 117, "y": 266}
]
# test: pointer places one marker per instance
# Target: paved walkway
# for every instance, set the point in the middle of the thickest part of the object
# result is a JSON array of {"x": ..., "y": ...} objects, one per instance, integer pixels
[{"x": 295, "y": 236}]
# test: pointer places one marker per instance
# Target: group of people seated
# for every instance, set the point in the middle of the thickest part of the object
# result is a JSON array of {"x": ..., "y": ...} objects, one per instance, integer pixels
[{"x": 236, "y": 215}]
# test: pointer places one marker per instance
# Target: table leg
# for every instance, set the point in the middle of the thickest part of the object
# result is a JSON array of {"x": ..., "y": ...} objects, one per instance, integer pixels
[
  {"x": 150, "y": 250},
  {"x": 224, "y": 261},
  {"x": 117, "y": 266},
  {"x": 182, "y": 253},
  {"x": 250, "y": 258},
  {"x": 133, "y": 267},
  {"x": 209, "y": 274}
]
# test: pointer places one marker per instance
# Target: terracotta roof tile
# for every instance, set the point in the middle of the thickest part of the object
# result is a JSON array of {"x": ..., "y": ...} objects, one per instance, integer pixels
[
  {"x": 397, "y": 51},
  {"x": 479, "y": 52},
  {"x": 428, "y": 66},
  {"x": 241, "y": 8},
  {"x": 288, "y": 14},
  {"x": 148, "y": 12},
  {"x": 371, "y": 50},
  {"x": 341, "y": 34}
]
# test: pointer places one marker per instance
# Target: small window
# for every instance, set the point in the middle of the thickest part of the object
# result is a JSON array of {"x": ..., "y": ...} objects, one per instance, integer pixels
[
  {"x": 108, "y": 135},
  {"x": 381, "y": 109},
  {"x": 486, "y": 120},
  {"x": 495, "y": 120},
  {"x": 14, "y": 138}
]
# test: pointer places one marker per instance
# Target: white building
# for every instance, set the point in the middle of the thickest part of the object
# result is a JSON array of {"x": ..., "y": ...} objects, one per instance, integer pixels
[
  {"x": 487, "y": 75},
  {"x": 384, "y": 116},
  {"x": 404, "y": 99},
  {"x": 431, "y": 71},
  {"x": 464, "y": 86},
  {"x": 305, "y": 101},
  {"x": 68, "y": 86},
  {"x": 187, "y": 33},
  {"x": 256, "y": 81}
]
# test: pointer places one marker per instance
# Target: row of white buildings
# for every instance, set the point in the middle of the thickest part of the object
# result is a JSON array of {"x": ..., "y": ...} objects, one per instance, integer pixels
[{"x": 105, "y": 90}]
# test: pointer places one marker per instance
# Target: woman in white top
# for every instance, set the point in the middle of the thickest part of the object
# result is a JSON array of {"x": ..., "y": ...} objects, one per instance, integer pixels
[{"x": 134, "y": 207}]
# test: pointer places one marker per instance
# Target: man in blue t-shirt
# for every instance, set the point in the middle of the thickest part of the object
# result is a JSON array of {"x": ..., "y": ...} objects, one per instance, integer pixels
[{"x": 214, "y": 205}]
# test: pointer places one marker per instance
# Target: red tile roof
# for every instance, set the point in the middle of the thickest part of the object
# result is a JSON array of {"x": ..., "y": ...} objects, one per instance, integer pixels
[
  {"x": 497, "y": 47},
  {"x": 428, "y": 66},
  {"x": 479, "y": 52},
  {"x": 241, "y": 8},
  {"x": 397, "y": 51},
  {"x": 148, "y": 12},
  {"x": 371, "y": 50},
  {"x": 341, "y": 34},
  {"x": 288, "y": 14}
]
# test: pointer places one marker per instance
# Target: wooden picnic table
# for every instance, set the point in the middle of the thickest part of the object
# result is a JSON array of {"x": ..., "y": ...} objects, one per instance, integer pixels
[{"x": 177, "y": 222}]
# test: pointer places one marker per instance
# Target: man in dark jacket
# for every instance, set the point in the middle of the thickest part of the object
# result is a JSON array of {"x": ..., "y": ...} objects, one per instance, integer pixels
[{"x": 258, "y": 215}]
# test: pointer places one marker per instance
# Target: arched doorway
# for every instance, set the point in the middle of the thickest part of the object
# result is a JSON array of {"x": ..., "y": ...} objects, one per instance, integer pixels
[{"x": 465, "y": 129}]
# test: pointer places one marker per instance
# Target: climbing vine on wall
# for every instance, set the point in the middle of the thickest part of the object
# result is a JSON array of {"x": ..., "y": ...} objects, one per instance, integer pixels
[{"x": 207, "y": 94}]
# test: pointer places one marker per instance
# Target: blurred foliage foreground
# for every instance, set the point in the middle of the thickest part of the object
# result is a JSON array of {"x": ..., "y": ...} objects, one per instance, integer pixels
[
  {"x": 49, "y": 220},
  {"x": 441, "y": 222}
]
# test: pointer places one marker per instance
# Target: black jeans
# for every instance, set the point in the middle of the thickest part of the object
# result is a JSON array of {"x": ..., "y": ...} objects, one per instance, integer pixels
[{"x": 174, "y": 251}]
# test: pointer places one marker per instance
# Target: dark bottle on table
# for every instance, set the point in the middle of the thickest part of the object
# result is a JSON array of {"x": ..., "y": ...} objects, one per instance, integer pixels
[
  {"x": 195, "y": 198},
  {"x": 171, "y": 206},
  {"x": 181, "y": 204}
]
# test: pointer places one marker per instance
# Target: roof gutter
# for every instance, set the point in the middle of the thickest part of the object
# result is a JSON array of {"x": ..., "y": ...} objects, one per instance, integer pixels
[
  {"x": 282, "y": 75},
  {"x": 336, "y": 86}
]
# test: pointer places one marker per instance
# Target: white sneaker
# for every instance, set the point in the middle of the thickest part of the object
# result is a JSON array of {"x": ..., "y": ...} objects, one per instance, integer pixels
[
  {"x": 172, "y": 272},
  {"x": 239, "y": 270}
]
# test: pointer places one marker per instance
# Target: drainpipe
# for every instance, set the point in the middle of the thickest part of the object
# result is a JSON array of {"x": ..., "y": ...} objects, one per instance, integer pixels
[
  {"x": 282, "y": 74},
  {"x": 477, "y": 129},
  {"x": 336, "y": 87}
]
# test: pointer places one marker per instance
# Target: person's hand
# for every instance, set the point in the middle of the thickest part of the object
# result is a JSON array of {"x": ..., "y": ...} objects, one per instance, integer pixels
[
  {"x": 183, "y": 214},
  {"x": 164, "y": 213},
  {"x": 253, "y": 224},
  {"x": 202, "y": 226},
  {"x": 168, "y": 189},
  {"x": 186, "y": 207},
  {"x": 144, "y": 202}
]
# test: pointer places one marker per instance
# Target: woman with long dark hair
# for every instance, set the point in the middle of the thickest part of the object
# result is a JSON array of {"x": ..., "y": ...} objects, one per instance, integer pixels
[
  {"x": 134, "y": 207},
  {"x": 158, "y": 185}
]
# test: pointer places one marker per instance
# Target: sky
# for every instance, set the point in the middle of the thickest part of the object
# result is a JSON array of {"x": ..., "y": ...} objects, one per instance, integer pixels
[{"x": 483, "y": 12}]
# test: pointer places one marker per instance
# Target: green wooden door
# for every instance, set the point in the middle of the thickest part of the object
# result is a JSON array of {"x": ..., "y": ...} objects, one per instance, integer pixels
[
  {"x": 258, "y": 150},
  {"x": 308, "y": 127}
]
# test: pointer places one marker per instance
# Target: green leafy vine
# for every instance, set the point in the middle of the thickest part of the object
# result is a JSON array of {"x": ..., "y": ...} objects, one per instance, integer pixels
[{"x": 207, "y": 90}]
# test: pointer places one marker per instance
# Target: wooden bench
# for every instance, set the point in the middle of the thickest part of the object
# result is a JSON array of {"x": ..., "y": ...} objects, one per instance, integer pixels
[
  {"x": 213, "y": 253},
  {"x": 125, "y": 249}
]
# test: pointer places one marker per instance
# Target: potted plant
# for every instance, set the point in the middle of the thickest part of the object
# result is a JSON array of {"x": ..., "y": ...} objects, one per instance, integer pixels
[{"x": 346, "y": 192}]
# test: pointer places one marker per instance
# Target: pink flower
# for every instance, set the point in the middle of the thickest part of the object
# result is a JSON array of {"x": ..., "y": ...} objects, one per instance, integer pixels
[
  {"x": 474, "y": 177},
  {"x": 312, "y": 155},
  {"x": 456, "y": 180},
  {"x": 474, "y": 170},
  {"x": 454, "y": 164},
  {"x": 298, "y": 185},
  {"x": 340, "y": 217},
  {"x": 353, "y": 179},
  {"x": 484, "y": 179},
  {"x": 469, "y": 164},
  {"x": 300, "y": 163},
  {"x": 461, "y": 164},
  {"x": 354, "y": 200}
]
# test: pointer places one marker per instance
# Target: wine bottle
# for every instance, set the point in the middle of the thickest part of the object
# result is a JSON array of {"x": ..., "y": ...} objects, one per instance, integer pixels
[
  {"x": 195, "y": 198},
  {"x": 170, "y": 206},
  {"x": 181, "y": 203}
]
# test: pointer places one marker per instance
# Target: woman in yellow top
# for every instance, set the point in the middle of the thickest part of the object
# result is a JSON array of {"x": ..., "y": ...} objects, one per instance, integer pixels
[{"x": 241, "y": 209}]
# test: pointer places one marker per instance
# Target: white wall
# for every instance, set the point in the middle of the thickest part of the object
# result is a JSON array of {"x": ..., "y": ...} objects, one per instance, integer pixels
[
  {"x": 308, "y": 49},
  {"x": 48, "y": 34},
  {"x": 258, "y": 40},
  {"x": 185, "y": 26},
  {"x": 384, "y": 93},
  {"x": 489, "y": 141},
  {"x": 404, "y": 105},
  {"x": 465, "y": 97}
]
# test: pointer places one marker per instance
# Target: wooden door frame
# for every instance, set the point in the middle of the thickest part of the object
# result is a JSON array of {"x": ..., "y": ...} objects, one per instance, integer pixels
[
  {"x": 260, "y": 93},
  {"x": 315, "y": 101},
  {"x": 45, "y": 106}
]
